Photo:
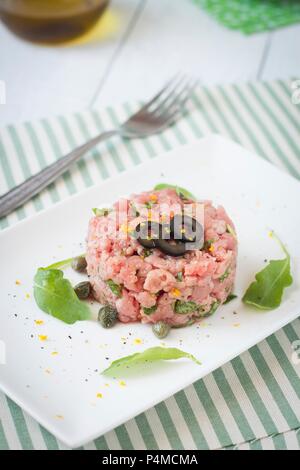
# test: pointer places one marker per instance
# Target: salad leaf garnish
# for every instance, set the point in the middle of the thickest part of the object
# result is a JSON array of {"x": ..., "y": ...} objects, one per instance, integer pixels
[
  {"x": 181, "y": 192},
  {"x": 65, "y": 263},
  {"x": 55, "y": 295},
  {"x": 266, "y": 291},
  {"x": 114, "y": 287},
  {"x": 100, "y": 212},
  {"x": 150, "y": 355}
]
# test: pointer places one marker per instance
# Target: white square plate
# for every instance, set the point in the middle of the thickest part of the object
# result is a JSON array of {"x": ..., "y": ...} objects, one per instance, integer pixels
[{"x": 60, "y": 391}]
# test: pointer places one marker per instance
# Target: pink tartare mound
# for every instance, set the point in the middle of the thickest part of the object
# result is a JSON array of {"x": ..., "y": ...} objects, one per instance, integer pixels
[{"x": 149, "y": 286}]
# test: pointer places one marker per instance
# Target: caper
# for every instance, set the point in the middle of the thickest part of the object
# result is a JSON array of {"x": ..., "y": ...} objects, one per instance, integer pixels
[
  {"x": 161, "y": 329},
  {"x": 107, "y": 316},
  {"x": 83, "y": 290},
  {"x": 79, "y": 264}
]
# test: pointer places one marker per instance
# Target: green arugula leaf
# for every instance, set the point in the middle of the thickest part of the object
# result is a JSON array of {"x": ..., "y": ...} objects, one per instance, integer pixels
[
  {"x": 266, "y": 291},
  {"x": 181, "y": 192},
  {"x": 150, "y": 355},
  {"x": 55, "y": 295},
  {"x": 65, "y": 263},
  {"x": 114, "y": 287},
  {"x": 184, "y": 307}
]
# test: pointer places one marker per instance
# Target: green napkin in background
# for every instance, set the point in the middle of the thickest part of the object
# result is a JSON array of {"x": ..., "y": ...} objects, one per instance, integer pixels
[{"x": 253, "y": 16}]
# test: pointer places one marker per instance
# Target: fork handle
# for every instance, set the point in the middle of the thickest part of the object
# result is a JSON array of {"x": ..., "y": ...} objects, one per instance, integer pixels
[{"x": 36, "y": 183}]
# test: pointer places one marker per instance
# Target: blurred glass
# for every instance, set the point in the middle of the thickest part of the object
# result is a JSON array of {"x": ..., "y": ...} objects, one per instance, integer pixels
[{"x": 51, "y": 21}]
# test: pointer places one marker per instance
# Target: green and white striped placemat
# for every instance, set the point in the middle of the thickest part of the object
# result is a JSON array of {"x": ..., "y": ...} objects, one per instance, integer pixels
[{"x": 251, "y": 402}]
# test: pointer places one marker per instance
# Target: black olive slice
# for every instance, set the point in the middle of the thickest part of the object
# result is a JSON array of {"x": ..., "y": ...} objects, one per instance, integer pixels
[
  {"x": 187, "y": 229},
  {"x": 171, "y": 248},
  {"x": 147, "y": 232},
  {"x": 146, "y": 243}
]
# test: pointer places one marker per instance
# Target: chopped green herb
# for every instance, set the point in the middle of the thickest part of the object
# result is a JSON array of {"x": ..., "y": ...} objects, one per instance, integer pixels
[
  {"x": 136, "y": 212},
  {"x": 146, "y": 253},
  {"x": 181, "y": 192},
  {"x": 207, "y": 244},
  {"x": 229, "y": 298},
  {"x": 149, "y": 310},
  {"x": 230, "y": 230},
  {"x": 101, "y": 212},
  {"x": 179, "y": 276},
  {"x": 115, "y": 288},
  {"x": 184, "y": 307},
  {"x": 266, "y": 291},
  {"x": 213, "y": 308},
  {"x": 224, "y": 275},
  {"x": 55, "y": 295},
  {"x": 150, "y": 355}
]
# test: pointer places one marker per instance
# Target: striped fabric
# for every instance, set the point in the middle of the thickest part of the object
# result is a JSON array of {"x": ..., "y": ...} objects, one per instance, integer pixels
[{"x": 253, "y": 402}]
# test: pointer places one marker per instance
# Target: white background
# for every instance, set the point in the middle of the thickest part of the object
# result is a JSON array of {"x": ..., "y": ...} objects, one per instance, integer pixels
[{"x": 154, "y": 39}]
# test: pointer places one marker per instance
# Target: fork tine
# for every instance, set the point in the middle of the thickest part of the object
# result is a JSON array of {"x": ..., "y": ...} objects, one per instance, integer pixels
[
  {"x": 173, "y": 91},
  {"x": 178, "y": 100},
  {"x": 160, "y": 93}
]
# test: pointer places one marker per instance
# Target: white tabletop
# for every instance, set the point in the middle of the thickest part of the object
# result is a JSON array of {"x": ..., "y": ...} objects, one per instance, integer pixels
[{"x": 150, "y": 40}]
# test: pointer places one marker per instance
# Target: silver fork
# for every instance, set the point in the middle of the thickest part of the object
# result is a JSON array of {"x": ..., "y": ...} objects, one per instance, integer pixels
[{"x": 155, "y": 116}]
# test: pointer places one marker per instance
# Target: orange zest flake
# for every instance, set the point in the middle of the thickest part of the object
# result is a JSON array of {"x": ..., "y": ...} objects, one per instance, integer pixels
[
  {"x": 54, "y": 353},
  {"x": 175, "y": 292},
  {"x": 153, "y": 197},
  {"x": 59, "y": 417},
  {"x": 137, "y": 341},
  {"x": 106, "y": 385},
  {"x": 122, "y": 383},
  {"x": 27, "y": 296},
  {"x": 236, "y": 325},
  {"x": 18, "y": 282},
  {"x": 211, "y": 248},
  {"x": 39, "y": 322},
  {"x": 99, "y": 395},
  {"x": 43, "y": 337},
  {"x": 125, "y": 228},
  {"x": 172, "y": 214}
]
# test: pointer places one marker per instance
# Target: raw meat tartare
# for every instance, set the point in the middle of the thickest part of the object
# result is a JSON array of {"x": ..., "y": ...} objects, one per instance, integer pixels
[{"x": 153, "y": 275}]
